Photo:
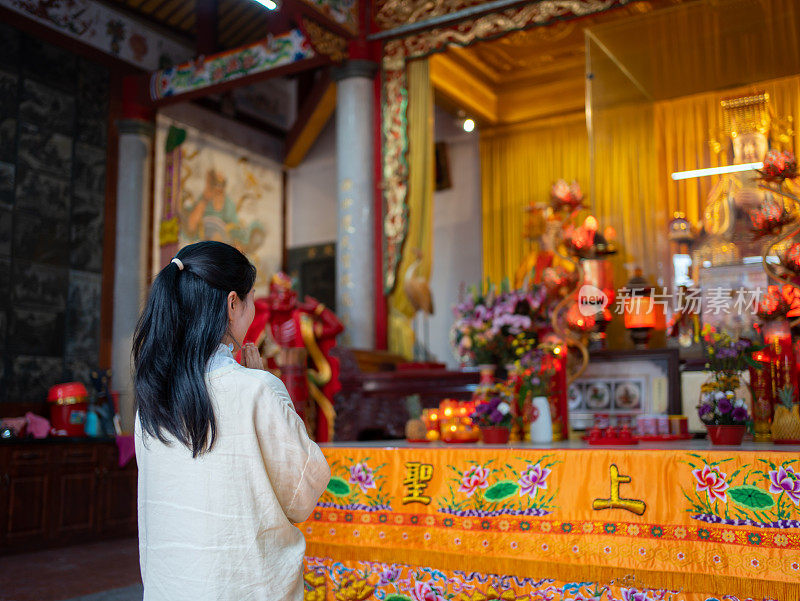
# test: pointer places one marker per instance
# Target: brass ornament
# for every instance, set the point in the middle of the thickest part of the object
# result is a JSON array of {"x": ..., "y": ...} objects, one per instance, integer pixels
[{"x": 746, "y": 114}]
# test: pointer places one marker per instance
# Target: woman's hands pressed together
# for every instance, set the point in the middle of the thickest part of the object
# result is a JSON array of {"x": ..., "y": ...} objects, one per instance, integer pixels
[{"x": 251, "y": 356}]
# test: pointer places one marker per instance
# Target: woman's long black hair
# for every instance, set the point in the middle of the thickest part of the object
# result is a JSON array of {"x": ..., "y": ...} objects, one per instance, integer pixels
[{"x": 183, "y": 323}]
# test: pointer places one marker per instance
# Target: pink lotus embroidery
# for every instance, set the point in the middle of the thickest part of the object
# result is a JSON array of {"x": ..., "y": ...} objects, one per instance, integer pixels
[
  {"x": 474, "y": 478},
  {"x": 785, "y": 480},
  {"x": 424, "y": 592},
  {"x": 361, "y": 474},
  {"x": 712, "y": 481},
  {"x": 532, "y": 480}
]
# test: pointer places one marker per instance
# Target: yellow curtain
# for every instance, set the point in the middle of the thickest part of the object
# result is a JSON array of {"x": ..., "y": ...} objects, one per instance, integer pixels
[
  {"x": 624, "y": 182},
  {"x": 421, "y": 178},
  {"x": 519, "y": 164}
]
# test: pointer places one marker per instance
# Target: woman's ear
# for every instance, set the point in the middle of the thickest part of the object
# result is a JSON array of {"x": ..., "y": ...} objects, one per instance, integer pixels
[{"x": 232, "y": 304}]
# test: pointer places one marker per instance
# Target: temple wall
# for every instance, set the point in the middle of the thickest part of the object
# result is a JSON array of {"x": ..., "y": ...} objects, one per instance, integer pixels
[
  {"x": 311, "y": 194},
  {"x": 457, "y": 255}
]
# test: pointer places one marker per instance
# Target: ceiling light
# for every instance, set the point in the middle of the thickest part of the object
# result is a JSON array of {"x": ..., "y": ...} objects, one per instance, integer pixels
[
  {"x": 469, "y": 125},
  {"x": 270, "y": 4},
  {"x": 715, "y": 171}
]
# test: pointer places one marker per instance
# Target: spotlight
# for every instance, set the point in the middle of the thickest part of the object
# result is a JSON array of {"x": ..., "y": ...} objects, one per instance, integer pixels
[
  {"x": 469, "y": 125},
  {"x": 269, "y": 4}
]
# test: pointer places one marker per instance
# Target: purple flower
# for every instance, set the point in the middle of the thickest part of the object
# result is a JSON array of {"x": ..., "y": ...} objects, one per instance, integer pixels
[
  {"x": 389, "y": 575},
  {"x": 785, "y": 480},
  {"x": 631, "y": 594},
  {"x": 705, "y": 409},
  {"x": 739, "y": 414},
  {"x": 724, "y": 406},
  {"x": 496, "y": 417},
  {"x": 361, "y": 474},
  {"x": 533, "y": 479}
]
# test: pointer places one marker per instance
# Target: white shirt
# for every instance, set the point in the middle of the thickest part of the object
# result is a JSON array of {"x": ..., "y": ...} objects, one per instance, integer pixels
[{"x": 220, "y": 526}]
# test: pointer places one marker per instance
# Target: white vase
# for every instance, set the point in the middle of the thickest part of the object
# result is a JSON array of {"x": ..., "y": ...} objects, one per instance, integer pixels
[{"x": 542, "y": 425}]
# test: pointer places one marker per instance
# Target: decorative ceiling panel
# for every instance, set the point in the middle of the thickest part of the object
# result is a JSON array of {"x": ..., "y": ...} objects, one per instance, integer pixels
[{"x": 394, "y": 13}]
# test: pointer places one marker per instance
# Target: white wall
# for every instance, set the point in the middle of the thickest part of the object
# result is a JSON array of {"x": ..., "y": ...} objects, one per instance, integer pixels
[
  {"x": 311, "y": 193},
  {"x": 457, "y": 254}
]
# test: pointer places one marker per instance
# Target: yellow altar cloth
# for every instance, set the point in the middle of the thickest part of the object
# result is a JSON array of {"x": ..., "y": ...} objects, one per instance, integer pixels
[{"x": 684, "y": 522}]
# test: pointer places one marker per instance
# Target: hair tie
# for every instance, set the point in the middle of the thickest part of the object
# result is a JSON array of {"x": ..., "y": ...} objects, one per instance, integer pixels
[{"x": 178, "y": 262}]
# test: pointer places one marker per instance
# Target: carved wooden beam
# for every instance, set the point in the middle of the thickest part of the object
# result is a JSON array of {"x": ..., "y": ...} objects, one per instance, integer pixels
[{"x": 288, "y": 53}]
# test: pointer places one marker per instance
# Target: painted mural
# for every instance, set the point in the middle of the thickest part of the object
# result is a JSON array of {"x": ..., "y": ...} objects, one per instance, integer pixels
[{"x": 208, "y": 189}]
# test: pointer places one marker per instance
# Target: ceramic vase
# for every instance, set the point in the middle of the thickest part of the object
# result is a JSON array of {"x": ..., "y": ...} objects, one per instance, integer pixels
[{"x": 541, "y": 428}]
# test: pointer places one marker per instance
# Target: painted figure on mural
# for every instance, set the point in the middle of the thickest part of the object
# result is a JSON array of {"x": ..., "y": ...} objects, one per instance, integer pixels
[
  {"x": 284, "y": 323},
  {"x": 214, "y": 216}
]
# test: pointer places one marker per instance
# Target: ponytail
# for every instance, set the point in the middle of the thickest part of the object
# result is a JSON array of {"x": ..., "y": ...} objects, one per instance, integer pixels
[{"x": 182, "y": 325}]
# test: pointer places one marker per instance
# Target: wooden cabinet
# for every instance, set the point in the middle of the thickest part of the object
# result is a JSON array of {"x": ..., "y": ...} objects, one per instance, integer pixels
[
  {"x": 54, "y": 493},
  {"x": 27, "y": 483},
  {"x": 117, "y": 498}
]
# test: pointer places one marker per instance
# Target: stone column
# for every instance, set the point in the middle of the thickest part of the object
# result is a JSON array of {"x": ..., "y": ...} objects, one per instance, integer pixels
[
  {"x": 130, "y": 258},
  {"x": 355, "y": 251}
]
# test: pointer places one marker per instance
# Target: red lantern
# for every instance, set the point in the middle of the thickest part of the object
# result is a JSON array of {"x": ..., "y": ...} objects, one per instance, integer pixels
[
  {"x": 768, "y": 218},
  {"x": 791, "y": 258}
]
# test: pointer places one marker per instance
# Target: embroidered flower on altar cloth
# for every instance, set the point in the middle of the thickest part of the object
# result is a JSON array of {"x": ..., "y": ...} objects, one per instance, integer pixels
[
  {"x": 785, "y": 480},
  {"x": 389, "y": 575},
  {"x": 424, "y": 592},
  {"x": 474, "y": 478},
  {"x": 631, "y": 594},
  {"x": 361, "y": 474},
  {"x": 533, "y": 479},
  {"x": 712, "y": 481}
]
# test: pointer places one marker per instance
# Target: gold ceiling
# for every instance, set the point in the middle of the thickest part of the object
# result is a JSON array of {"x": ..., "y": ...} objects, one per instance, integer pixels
[
  {"x": 526, "y": 75},
  {"x": 645, "y": 51}
]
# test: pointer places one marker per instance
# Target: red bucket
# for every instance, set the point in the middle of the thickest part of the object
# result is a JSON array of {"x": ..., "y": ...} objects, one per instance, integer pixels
[{"x": 68, "y": 405}]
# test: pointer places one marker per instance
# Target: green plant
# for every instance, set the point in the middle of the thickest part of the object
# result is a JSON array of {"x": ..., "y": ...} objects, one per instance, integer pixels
[{"x": 786, "y": 396}]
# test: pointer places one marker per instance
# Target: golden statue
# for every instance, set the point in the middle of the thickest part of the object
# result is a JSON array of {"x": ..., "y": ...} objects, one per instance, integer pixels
[{"x": 747, "y": 121}]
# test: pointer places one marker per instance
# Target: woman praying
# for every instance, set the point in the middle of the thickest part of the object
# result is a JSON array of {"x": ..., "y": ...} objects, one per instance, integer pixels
[{"x": 226, "y": 467}]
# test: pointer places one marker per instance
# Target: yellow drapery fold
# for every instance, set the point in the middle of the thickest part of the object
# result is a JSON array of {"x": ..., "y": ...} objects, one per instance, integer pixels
[
  {"x": 518, "y": 166},
  {"x": 420, "y": 206},
  {"x": 624, "y": 182}
]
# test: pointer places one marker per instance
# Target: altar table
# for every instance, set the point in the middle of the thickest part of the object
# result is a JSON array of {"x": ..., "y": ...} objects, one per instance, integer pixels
[{"x": 670, "y": 521}]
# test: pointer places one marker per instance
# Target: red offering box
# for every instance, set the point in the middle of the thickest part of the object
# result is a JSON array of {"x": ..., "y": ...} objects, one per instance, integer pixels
[{"x": 611, "y": 436}]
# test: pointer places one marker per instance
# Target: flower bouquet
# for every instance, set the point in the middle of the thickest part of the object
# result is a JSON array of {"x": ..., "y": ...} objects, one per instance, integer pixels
[
  {"x": 493, "y": 414},
  {"x": 487, "y": 322},
  {"x": 724, "y": 413}
]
